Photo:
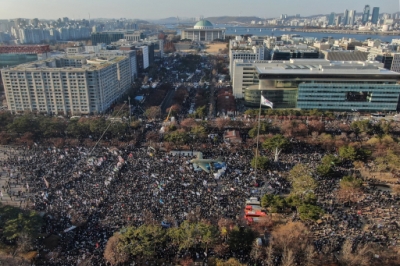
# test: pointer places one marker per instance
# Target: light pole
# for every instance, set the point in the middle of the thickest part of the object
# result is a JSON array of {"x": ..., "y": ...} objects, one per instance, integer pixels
[{"x": 130, "y": 113}]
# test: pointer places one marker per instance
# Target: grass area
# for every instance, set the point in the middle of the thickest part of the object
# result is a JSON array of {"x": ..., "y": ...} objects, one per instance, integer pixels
[{"x": 215, "y": 48}]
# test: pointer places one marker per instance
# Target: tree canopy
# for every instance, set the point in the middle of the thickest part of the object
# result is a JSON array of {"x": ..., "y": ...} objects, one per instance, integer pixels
[
  {"x": 301, "y": 179},
  {"x": 276, "y": 143}
]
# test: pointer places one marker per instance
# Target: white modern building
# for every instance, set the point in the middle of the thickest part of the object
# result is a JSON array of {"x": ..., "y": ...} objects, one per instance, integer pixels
[
  {"x": 203, "y": 31},
  {"x": 67, "y": 85}
]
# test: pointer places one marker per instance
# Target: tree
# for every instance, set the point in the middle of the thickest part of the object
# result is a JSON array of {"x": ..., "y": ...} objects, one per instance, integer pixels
[
  {"x": 277, "y": 144},
  {"x": 175, "y": 109},
  {"x": 199, "y": 132},
  {"x": 143, "y": 241},
  {"x": 201, "y": 112},
  {"x": 316, "y": 126},
  {"x": 188, "y": 123},
  {"x": 25, "y": 123},
  {"x": 276, "y": 203},
  {"x": 264, "y": 128},
  {"x": 77, "y": 128},
  {"x": 361, "y": 255},
  {"x": 388, "y": 162},
  {"x": 262, "y": 162},
  {"x": 177, "y": 137},
  {"x": 230, "y": 262},
  {"x": 51, "y": 127},
  {"x": 350, "y": 153},
  {"x": 6, "y": 118},
  {"x": 310, "y": 212},
  {"x": 350, "y": 182},
  {"x": 326, "y": 167},
  {"x": 241, "y": 239},
  {"x": 25, "y": 242},
  {"x": 114, "y": 252},
  {"x": 19, "y": 222},
  {"x": 291, "y": 128},
  {"x": 301, "y": 180},
  {"x": 153, "y": 112},
  {"x": 189, "y": 234},
  {"x": 362, "y": 126},
  {"x": 98, "y": 126},
  {"x": 292, "y": 235},
  {"x": 117, "y": 129},
  {"x": 221, "y": 123}
]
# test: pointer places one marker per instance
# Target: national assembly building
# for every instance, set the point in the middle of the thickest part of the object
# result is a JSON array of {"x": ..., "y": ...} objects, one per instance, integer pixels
[
  {"x": 203, "y": 31},
  {"x": 317, "y": 84}
]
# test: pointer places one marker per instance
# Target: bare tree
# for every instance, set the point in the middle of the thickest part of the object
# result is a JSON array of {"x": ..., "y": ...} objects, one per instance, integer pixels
[
  {"x": 288, "y": 258},
  {"x": 221, "y": 123},
  {"x": 113, "y": 253}
]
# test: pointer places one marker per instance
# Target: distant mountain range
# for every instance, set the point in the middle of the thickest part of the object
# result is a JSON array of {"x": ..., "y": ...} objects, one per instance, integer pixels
[
  {"x": 215, "y": 20},
  {"x": 224, "y": 19}
]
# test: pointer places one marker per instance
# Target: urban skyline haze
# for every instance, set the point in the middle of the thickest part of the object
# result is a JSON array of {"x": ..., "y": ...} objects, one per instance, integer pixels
[{"x": 152, "y": 9}]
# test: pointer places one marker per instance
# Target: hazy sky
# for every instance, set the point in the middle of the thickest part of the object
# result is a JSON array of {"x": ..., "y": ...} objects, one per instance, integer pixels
[{"x": 151, "y": 9}]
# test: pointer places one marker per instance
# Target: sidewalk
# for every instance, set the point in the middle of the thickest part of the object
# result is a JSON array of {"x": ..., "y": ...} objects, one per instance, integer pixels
[{"x": 4, "y": 177}]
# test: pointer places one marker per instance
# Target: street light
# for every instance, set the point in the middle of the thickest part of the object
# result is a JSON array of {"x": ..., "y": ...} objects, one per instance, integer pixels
[{"x": 130, "y": 113}]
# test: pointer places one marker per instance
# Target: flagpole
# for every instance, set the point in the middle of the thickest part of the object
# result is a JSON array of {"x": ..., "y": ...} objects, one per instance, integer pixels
[{"x": 258, "y": 133}]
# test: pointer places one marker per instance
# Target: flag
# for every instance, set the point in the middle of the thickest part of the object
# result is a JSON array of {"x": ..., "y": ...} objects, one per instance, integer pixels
[{"x": 266, "y": 102}]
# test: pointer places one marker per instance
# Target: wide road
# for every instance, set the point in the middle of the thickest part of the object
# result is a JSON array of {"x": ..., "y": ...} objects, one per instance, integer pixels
[{"x": 167, "y": 101}]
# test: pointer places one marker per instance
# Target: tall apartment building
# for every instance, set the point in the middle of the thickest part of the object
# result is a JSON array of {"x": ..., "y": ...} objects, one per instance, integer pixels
[{"x": 66, "y": 85}]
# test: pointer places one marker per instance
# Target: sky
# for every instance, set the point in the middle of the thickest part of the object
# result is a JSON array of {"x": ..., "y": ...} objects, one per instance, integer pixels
[{"x": 156, "y": 9}]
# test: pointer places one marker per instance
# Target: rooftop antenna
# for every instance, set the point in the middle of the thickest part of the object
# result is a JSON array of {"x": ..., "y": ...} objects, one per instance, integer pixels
[{"x": 89, "y": 18}]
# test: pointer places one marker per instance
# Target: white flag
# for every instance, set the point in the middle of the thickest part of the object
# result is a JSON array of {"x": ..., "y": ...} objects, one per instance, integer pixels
[{"x": 266, "y": 102}]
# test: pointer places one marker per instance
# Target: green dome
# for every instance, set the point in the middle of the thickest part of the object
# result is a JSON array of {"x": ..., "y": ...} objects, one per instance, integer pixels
[{"x": 203, "y": 24}]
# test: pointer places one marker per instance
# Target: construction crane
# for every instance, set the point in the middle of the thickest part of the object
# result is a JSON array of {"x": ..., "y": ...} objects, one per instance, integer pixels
[{"x": 169, "y": 113}]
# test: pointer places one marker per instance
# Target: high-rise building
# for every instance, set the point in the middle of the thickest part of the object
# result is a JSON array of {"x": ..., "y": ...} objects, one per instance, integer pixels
[
  {"x": 345, "y": 17},
  {"x": 352, "y": 17},
  {"x": 338, "y": 20},
  {"x": 331, "y": 20},
  {"x": 365, "y": 16},
  {"x": 375, "y": 15}
]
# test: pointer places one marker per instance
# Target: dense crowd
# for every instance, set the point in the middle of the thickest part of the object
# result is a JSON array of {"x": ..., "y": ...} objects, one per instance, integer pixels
[{"x": 103, "y": 190}]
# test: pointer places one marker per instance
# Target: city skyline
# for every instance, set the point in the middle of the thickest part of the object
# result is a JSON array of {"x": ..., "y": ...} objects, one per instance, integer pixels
[{"x": 153, "y": 10}]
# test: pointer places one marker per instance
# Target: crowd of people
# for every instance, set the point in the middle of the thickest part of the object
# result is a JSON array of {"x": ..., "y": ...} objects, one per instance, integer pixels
[{"x": 88, "y": 194}]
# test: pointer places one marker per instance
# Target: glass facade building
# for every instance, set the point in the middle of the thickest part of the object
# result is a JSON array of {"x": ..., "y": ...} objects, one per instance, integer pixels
[
  {"x": 341, "y": 96},
  {"x": 326, "y": 85}
]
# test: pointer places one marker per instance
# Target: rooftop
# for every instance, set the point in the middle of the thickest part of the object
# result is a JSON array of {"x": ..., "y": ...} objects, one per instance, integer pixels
[
  {"x": 322, "y": 66},
  {"x": 203, "y": 24},
  {"x": 88, "y": 63}
]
